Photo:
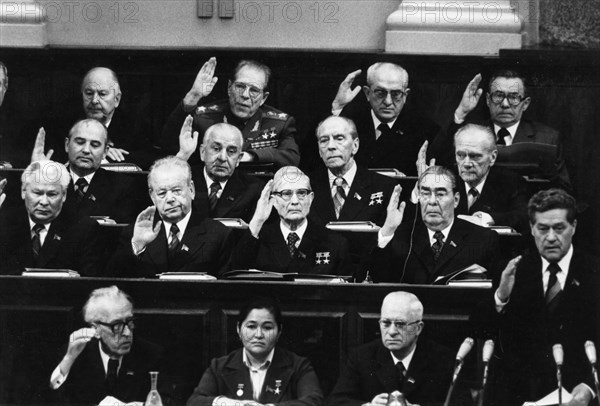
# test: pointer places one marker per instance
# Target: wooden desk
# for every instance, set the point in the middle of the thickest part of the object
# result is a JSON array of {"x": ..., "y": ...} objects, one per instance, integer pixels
[{"x": 195, "y": 321}]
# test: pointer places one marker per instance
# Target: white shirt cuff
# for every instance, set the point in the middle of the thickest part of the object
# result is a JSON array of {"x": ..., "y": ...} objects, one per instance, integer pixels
[
  {"x": 457, "y": 120},
  {"x": 486, "y": 219},
  {"x": 137, "y": 252},
  {"x": 382, "y": 241},
  {"x": 336, "y": 112},
  {"x": 57, "y": 378},
  {"x": 499, "y": 304}
]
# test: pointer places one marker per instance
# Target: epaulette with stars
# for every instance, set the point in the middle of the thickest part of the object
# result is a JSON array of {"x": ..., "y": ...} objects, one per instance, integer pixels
[
  {"x": 276, "y": 115},
  {"x": 210, "y": 108}
]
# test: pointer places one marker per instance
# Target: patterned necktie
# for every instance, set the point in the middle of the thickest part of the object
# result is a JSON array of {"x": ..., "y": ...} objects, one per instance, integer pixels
[
  {"x": 36, "y": 241},
  {"x": 174, "y": 238},
  {"x": 213, "y": 196},
  {"x": 401, "y": 372},
  {"x": 473, "y": 196},
  {"x": 340, "y": 195},
  {"x": 502, "y": 132},
  {"x": 292, "y": 239},
  {"x": 438, "y": 245},
  {"x": 553, "y": 288},
  {"x": 384, "y": 129},
  {"x": 81, "y": 187},
  {"x": 111, "y": 376}
]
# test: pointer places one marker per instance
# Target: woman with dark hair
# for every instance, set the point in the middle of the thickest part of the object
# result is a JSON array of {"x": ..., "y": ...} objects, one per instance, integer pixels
[{"x": 258, "y": 374}]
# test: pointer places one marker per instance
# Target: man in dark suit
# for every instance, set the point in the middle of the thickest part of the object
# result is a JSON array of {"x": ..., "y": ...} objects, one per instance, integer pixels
[
  {"x": 294, "y": 244},
  {"x": 269, "y": 134},
  {"x": 221, "y": 189},
  {"x": 343, "y": 190},
  {"x": 390, "y": 136},
  {"x": 104, "y": 361},
  {"x": 544, "y": 298},
  {"x": 400, "y": 360},
  {"x": 490, "y": 195},
  {"x": 171, "y": 236},
  {"x": 42, "y": 235},
  {"x": 437, "y": 245},
  {"x": 507, "y": 100}
]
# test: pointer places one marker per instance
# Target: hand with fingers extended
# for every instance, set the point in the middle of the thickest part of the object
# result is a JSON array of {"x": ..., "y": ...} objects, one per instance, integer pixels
[
  {"x": 116, "y": 154},
  {"x": 77, "y": 342},
  {"x": 144, "y": 230},
  {"x": 188, "y": 139},
  {"x": 395, "y": 213},
  {"x": 345, "y": 93},
  {"x": 470, "y": 98},
  {"x": 422, "y": 159},
  {"x": 38, "y": 148},
  {"x": 264, "y": 206},
  {"x": 203, "y": 85},
  {"x": 2, "y": 195},
  {"x": 507, "y": 280}
]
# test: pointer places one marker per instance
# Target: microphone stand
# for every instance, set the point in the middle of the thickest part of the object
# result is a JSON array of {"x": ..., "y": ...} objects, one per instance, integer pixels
[
  {"x": 485, "y": 375},
  {"x": 596, "y": 384},
  {"x": 457, "y": 368},
  {"x": 559, "y": 379}
]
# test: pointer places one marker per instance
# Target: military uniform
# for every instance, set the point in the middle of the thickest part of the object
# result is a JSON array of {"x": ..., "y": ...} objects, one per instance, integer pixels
[{"x": 269, "y": 134}]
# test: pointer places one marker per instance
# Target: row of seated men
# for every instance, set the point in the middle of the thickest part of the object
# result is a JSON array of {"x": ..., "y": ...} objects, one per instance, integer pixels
[
  {"x": 177, "y": 233},
  {"x": 530, "y": 311},
  {"x": 390, "y": 134}
]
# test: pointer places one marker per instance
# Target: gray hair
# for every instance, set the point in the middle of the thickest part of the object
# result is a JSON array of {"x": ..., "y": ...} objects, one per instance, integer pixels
[
  {"x": 89, "y": 121},
  {"x": 110, "y": 72},
  {"x": 289, "y": 174},
  {"x": 48, "y": 172},
  {"x": 348, "y": 121},
  {"x": 172, "y": 162},
  {"x": 441, "y": 172},
  {"x": 223, "y": 127},
  {"x": 95, "y": 307},
  {"x": 484, "y": 130},
  {"x": 412, "y": 302},
  {"x": 386, "y": 65}
]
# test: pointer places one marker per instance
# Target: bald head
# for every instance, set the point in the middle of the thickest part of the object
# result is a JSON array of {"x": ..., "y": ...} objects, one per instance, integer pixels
[
  {"x": 101, "y": 94},
  {"x": 221, "y": 151},
  {"x": 409, "y": 303}
]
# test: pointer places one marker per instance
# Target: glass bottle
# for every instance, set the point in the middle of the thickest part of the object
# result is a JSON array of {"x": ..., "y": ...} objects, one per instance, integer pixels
[
  {"x": 396, "y": 399},
  {"x": 153, "y": 398}
]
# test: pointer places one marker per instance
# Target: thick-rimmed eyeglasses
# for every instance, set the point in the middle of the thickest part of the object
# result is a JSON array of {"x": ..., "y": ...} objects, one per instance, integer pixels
[
  {"x": 400, "y": 325},
  {"x": 396, "y": 95},
  {"x": 288, "y": 193},
  {"x": 253, "y": 91},
  {"x": 514, "y": 99},
  {"x": 118, "y": 326}
]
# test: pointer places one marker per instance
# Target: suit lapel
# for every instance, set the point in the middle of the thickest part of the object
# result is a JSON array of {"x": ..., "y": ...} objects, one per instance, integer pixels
[
  {"x": 422, "y": 247},
  {"x": 280, "y": 372},
  {"x": 418, "y": 370},
  {"x": 357, "y": 198},
  {"x": 192, "y": 240},
  {"x": 52, "y": 242},
  {"x": 452, "y": 246},
  {"x": 237, "y": 377},
  {"x": 230, "y": 196},
  {"x": 323, "y": 202},
  {"x": 385, "y": 370},
  {"x": 309, "y": 243},
  {"x": 99, "y": 186},
  {"x": 524, "y": 132},
  {"x": 273, "y": 238},
  {"x": 157, "y": 250},
  {"x": 463, "y": 202}
]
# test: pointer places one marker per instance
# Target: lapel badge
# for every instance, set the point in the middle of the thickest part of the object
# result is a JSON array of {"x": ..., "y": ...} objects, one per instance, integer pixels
[
  {"x": 277, "y": 386},
  {"x": 322, "y": 258},
  {"x": 230, "y": 198},
  {"x": 129, "y": 373},
  {"x": 240, "y": 390},
  {"x": 357, "y": 196},
  {"x": 575, "y": 282},
  {"x": 184, "y": 248},
  {"x": 57, "y": 237},
  {"x": 411, "y": 380},
  {"x": 201, "y": 110},
  {"x": 256, "y": 127},
  {"x": 214, "y": 107},
  {"x": 92, "y": 197},
  {"x": 453, "y": 244},
  {"x": 376, "y": 198}
]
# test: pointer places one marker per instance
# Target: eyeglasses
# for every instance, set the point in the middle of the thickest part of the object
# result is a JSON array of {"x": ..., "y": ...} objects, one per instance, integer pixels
[
  {"x": 117, "y": 327},
  {"x": 253, "y": 91},
  {"x": 400, "y": 325},
  {"x": 396, "y": 95},
  {"x": 288, "y": 193},
  {"x": 514, "y": 99}
]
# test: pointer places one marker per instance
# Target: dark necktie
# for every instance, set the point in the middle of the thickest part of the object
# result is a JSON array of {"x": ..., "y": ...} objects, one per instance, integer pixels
[
  {"x": 174, "y": 237},
  {"x": 111, "y": 376},
  {"x": 36, "y": 241},
  {"x": 401, "y": 372},
  {"x": 291, "y": 244},
  {"x": 340, "y": 195},
  {"x": 502, "y": 132},
  {"x": 474, "y": 193},
  {"x": 438, "y": 245},
  {"x": 385, "y": 129},
  {"x": 553, "y": 288},
  {"x": 213, "y": 196},
  {"x": 81, "y": 187}
]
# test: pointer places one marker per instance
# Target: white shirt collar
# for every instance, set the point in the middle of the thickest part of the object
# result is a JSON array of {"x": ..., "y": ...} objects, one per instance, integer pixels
[
  {"x": 209, "y": 182},
  {"x": 76, "y": 177},
  {"x": 264, "y": 365},
  {"x": 564, "y": 269},
  {"x": 377, "y": 121},
  {"x": 479, "y": 187},
  {"x": 32, "y": 223},
  {"x": 406, "y": 360},
  {"x": 181, "y": 224},
  {"x": 512, "y": 130},
  {"x": 285, "y": 230},
  {"x": 348, "y": 176},
  {"x": 105, "y": 357},
  {"x": 445, "y": 231}
]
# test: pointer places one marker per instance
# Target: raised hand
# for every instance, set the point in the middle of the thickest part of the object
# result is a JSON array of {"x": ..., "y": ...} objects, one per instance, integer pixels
[
  {"x": 144, "y": 230},
  {"x": 422, "y": 159},
  {"x": 264, "y": 206},
  {"x": 203, "y": 85},
  {"x": 507, "y": 280},
  {"x": 188, "y": 139},
  {"x": 395, "y": 213},
  {"x": 38, "y": 148},
  {"x": 116, "y": 154},
  {"x": 470, "y": 98},
  {"x": 77, "y": 342},
  {"x": 2, "y": 195},
  {"x": 345, "y": 93}
]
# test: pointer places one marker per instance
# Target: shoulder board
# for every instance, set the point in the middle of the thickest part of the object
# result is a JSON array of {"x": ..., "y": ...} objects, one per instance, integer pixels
[
  {"x": 276, "y": 115},
  {"x": 209, "y": 108}
]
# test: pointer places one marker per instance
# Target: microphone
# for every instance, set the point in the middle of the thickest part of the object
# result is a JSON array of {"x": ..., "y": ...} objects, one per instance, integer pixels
[
  {"x": 590, "y": 351},
  {"x": 488, "y": 351},
  {"x": 464, "y": 349},
  {"x": 558, "y": 354}
]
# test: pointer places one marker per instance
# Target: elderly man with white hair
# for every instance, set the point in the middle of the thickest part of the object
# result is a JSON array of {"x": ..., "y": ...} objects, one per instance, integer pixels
[
  {"x": 41, "y": 235},
  {"x": 294, "y": 244},
  {"x": 105, "y": 361}
]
